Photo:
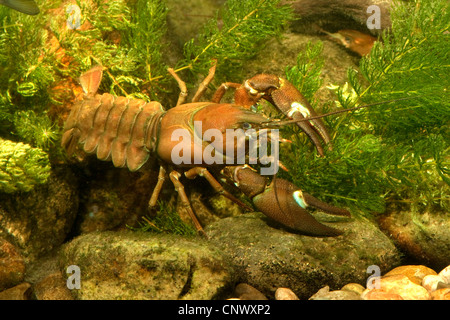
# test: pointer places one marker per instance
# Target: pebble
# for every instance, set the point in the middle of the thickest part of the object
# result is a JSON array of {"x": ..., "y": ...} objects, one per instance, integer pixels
[
  {"x": 402, "y": 285},
  {"x": 415, "y": 273},
  {"x": 12, "y": 265},
  {"x": 445, "y": 274},
  {"x": 431, "y": 282},
  {"x": 52, "y": 287},
  {"x": 20, "y": 292},
  {"x": 246, "y": 292},
  {"x": 285, "y": 294},
  {"x": 377, "y": 294},
  {"x": 326, "y": 294},
  {"x": 353, "y": 287},
  {"x": 441, "y": 294}
]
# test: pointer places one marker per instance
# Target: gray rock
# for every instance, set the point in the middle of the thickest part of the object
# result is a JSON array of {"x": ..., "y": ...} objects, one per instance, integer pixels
[
  {"x": 425, "y": 237},
  {"x": 326, "y": 294},
  {"x": 338, "y": 14},
  {"x": 135, "y": 265},
  {"x": 12, "y": 265},
  {"x": 20, "y": 292},
  {"x": 40, "y": 220},
  {"x": 268, "y": 257},
  {"x": 52, "y": 287}
]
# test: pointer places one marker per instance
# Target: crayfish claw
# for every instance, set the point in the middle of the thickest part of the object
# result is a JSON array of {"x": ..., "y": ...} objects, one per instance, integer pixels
[
  {"x": 283, "y": 202},
  {"x": 285, "y": 97},
  {"x": 326, "y": 207}
]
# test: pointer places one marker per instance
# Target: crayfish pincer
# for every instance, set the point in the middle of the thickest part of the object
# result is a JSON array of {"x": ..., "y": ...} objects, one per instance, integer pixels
[
  {"x": 282, "y": 201},
  {"x": 191, "y": 138}
]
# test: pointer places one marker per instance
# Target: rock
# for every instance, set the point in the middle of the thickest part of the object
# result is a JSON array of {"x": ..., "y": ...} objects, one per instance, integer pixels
[
  {"x": 285, "y": 294},
  {"x": 138, "y": 265},
  {"x": 268, "y": 257},
  {"x": 445, "y": 274},
  {"x": 336, "y": 14},
  {"x": 432, "y": 282},
  {"x": 244, "y": 291},
  {"x": 422, "y": 236},
  {"x": 400, "y": 285},
  {"x": 415, "y": 273},
  {"x": 377, "y": 294},
  {"x": 186, "y": 26},
  {"x": 40, "y": 220},
  {"x": 326, "y": 294},
  {"x": 12, "y": 265},
  {"x": 353, "y": 287},
  {"x": 52, "y": 287},
  {"x": 113, "y": 198},
  {"x": 19, "y": 292},
  {"x": 441, "y": 294}
]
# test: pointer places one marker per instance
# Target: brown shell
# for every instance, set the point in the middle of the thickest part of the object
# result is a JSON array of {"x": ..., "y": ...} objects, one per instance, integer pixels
[{"x": 114, "y": 128}]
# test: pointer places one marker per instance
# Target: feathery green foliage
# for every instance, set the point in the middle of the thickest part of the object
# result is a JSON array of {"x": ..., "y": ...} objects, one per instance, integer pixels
[
  {"x": 306, "y": 74},
  {"x": 166, "y": 221},
  {"x": 397, "y": 151},
  {"x": 25, "y": 70},
  {"x": 21, "y": 166},
  {"x": 126, "y": 39},
  {"x": 246, "y": 25}
]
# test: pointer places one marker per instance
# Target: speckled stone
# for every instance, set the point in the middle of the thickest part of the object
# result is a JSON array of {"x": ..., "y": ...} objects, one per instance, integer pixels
[
  {"x": 142, "y": 265},
  {"x": 52, "y": 287},
  {"x": 377, "y": 294},
  {"x": 20, "y": 292},
  {"x": 353, "y": 287},
  {"x": 267, "y": 256},
  {"x": 326, "y": 294},
  {"x": 12, "y": 265},
  {"x": 445, "y": 274},
  {"x": 415, "y": 273},
  {"x": 285, "y": 294},
  {"x": 441, "y": 294},
  {"x": 244, "y": 291},
  {"x": 402, "y": 286},
  {"x": 431, "y": 282}
]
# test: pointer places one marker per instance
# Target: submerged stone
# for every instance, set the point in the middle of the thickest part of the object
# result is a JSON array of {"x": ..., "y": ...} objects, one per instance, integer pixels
[
  {"x": 135, "y": 265},
  {"x": 269, "y": 257}
]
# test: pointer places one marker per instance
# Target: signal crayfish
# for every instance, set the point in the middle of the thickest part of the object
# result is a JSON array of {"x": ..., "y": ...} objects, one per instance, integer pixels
[{"x": 129, "y": 131}]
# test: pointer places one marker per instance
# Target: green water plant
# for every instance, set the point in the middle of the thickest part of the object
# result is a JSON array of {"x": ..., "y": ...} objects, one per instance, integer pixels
[
  {"x": 244, "y": 28},
  {"x": 167, "y": 220},
  {"x": 394, "y": 153},
  {"x": 21, "y": 166}
]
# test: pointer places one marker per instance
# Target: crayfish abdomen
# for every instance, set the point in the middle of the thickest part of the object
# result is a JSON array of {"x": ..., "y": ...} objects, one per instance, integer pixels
[{"x": 114, "y": 128}]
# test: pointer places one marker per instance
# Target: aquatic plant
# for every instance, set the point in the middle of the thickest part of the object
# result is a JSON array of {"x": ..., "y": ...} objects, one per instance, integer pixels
[
  {"x": 167, "y": 220},
  {"x": 21, "y": 166},
  {"x": 26, "y": 71},
  {"x": 26, "y": 74},
  {"x": 398, "y": 152},
  {"x": 244, "y": 27}
]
